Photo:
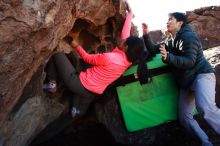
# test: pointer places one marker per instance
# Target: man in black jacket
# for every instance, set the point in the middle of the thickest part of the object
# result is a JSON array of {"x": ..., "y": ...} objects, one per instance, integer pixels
[{"x": 183, "y": 52}]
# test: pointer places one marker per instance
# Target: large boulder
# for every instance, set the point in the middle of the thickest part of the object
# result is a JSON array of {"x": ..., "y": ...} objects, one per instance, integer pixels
[
  {"x": 206, "y": 22},
  {"x": 31, "y": 31}
]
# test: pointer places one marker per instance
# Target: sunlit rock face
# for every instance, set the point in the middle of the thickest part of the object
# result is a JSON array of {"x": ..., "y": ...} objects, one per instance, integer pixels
[
  {"x": 213, "y": 56},
  {"x": 206, "y": 22}
]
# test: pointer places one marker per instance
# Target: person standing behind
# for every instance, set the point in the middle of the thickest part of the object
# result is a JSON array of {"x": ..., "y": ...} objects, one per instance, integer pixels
[{"x": 183, "y": 52}]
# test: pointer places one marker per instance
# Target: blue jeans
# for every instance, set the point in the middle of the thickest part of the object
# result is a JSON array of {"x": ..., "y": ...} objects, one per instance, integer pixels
[{"x": 204, "y": 101}]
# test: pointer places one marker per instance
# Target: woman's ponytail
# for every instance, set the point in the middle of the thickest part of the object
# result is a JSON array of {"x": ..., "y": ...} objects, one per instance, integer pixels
[
  {"x": 137, "y": 55},
  {"x": 142, "y": 71}
]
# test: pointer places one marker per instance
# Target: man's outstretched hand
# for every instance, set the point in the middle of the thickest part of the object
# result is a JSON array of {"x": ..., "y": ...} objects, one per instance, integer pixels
[
  {"x": 163, "y": 52},
  {"x": 145, "y": 29}
]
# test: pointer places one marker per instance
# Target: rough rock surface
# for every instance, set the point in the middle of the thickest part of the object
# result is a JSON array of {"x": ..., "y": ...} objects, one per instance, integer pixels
[
  {"x": 31, "y": 30},
  {"x": 206, "y": 22}
]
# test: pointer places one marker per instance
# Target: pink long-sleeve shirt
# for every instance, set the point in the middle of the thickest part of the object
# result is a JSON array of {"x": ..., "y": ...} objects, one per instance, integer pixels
[{"x": 107, "y": 67}]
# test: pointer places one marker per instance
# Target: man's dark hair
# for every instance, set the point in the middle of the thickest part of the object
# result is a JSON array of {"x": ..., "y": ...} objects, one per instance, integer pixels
[{"x": 179, "y": 17}]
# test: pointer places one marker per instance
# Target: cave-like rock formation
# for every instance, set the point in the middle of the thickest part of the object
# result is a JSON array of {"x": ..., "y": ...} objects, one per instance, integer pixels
[{"x": 30, "y": 32}]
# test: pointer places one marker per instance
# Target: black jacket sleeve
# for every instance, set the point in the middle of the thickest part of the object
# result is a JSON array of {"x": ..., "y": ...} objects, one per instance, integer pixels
[
  {"x": 186, "y": 59},
  {"x": 151, "y": 47}
]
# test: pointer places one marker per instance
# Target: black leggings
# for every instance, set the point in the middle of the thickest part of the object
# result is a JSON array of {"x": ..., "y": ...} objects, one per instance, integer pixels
[{"x": 59, "y": 66}]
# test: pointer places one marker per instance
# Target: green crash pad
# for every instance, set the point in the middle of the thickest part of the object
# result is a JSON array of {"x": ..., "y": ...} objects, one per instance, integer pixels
[{"x": 150, "y": 104}]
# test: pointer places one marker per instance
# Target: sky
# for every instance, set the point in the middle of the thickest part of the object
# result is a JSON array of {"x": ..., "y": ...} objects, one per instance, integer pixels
[{"x": 155, "y": 12}]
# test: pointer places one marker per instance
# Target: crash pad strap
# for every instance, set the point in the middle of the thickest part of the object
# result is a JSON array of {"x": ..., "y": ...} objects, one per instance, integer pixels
[{"x": 123, "y": 80}]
